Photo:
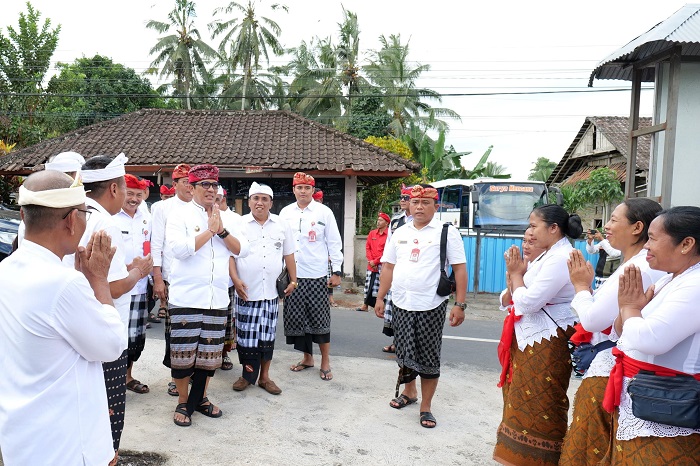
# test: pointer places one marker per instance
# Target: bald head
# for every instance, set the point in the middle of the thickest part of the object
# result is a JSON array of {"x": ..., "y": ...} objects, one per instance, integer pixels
[{"x": 38, "y": 218}]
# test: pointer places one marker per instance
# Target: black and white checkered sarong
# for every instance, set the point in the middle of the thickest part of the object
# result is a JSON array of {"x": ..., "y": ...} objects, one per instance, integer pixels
[
  {"x": 418, "y": 339},
  {"x": 307, "y": 314},
  {"x": 256, "y": 322},
  {"x": 138, "y": 314}
]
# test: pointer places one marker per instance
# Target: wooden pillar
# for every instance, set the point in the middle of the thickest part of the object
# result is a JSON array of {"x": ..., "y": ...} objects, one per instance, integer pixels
[
  {"x": 633, "y": 126},
  {"x": 674, "y": 80}
]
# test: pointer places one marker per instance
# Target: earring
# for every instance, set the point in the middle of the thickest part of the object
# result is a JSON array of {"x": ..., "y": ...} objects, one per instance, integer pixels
[{"x": 682, "y": 251}]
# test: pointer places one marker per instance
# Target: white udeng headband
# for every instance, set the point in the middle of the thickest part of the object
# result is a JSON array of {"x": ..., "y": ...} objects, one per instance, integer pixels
[
  {"x": 55, "y": 198},
  {"x": 115, "y": 169},
  {"x": 65, "y": 162},
  {"x": 256, "y": 188}
]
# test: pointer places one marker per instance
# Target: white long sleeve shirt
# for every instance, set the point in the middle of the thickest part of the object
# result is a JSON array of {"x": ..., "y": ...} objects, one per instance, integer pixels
[
  {"x": 598, "y": 311},
  {"x": 269, "y": 243},
  {"x": 135, "y": 231},
  {"x": 668, "y": 335},
  {"x": 594, "y": 248},
  {"x": 161, "y": 253},
  {"x": 199, "y": 279},
  {"x": 53, "y": 336},
  {"x": 416, "y": 256},
  {"x": 548, "y": 287},
  {"x": 317, "y": 238}
]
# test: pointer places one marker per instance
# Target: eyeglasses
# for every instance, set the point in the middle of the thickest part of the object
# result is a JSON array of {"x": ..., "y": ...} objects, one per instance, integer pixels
[
  {"x": 86, "y": 212},
  {"x": 405, "y": 197},
  {"x": 207, "y": 184}
]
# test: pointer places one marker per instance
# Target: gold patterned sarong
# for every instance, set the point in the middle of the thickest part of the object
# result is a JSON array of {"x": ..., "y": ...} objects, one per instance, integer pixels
[{"x": 535, "y": 403}]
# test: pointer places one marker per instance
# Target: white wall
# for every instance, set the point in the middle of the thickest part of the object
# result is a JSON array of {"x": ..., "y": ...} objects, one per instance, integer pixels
[
  {"x": 350, "y": 209},
  {"x": 687, "y": 149}
]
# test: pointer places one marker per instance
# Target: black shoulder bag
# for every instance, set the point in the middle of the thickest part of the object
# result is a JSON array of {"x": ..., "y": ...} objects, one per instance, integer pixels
[
  {"x": 446, "y": 285},
  {"x": 674, "y": 401}
]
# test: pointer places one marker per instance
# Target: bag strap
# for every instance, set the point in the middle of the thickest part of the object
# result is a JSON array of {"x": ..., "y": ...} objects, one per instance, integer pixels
[
  {"x": 443, "y": 246},
  {"x": 555, "y": 322}
]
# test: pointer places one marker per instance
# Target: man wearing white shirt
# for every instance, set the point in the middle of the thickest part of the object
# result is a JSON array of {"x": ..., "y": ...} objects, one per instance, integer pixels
[
  {"x": 257, "y": 302},
  {"x": 411, "y": 268},
  {"x": 53, "y": 407},
  {"x": 103, "y": 178},
  {"x": 230, "y": 336},
  {"x": 162, "y": 255},
  {"x": 202, "y": 243},
  {"x": 307, "y": 315},
  {"x": 136, "y": 233}
]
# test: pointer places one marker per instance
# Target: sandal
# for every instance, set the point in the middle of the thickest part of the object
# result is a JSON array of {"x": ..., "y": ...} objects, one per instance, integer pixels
[
  {"x": 207, "y": 408},
  {"x": 389, "y": 349},
  {"x": 226, "y": 365},
  {"x": 182, "y": 409},
  {"x": 300, "y": 366},
  {"x": 402, "y": 401},
  {"x": 427, "y": 416},
  {"x": 161, "y": 313},
  {"x": 154, "y": 319},
  {"x": 172, "y": 389},
  {"x": 326, "y": 375},
  {"x": 137, "y": 387}
]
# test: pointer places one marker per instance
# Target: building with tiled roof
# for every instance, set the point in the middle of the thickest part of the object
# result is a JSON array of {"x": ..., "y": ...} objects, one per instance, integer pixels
[{"x": 247, "y": 146}]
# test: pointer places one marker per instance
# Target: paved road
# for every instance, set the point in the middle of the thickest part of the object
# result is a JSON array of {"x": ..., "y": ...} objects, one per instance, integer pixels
[{"x": 360, "y": 334}]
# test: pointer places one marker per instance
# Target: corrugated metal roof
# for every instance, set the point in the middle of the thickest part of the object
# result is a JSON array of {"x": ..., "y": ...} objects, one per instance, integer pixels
[{"x": 682, "y": 28}]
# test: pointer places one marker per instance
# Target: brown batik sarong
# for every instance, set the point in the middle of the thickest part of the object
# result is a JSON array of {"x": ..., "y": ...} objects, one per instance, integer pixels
[
  {"x": 666, "y": 451},
  {"x": 535, "y": 403},
  {"x": 196, "y": 338},
  {"x": 588, "y": 437}
]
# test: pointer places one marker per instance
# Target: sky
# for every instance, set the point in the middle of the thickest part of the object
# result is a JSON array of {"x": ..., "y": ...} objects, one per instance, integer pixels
[{"x": 473, "y": 49}]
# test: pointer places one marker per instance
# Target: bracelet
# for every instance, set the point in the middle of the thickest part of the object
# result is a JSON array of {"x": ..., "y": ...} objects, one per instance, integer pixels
[
  {"x": 212, "y": 231},
  {"x": 463, "y": 306},
  {"x": 223, "y": 234},
  {"x": 294, "y": 284}
]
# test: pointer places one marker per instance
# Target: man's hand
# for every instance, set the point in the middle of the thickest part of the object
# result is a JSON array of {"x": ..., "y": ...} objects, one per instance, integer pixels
[
  {"x": 241, "y": 289},
  {"x": 214, "y": 223},
  {"x": 144, "y": 264},
  {"x": 379, "y": 308},
  {"x": 290, "y": 288},
  {"x": 94, "y": 259},
  {"x": 580, "y": 271},
  {"x": 456, "y": 316},
  {"x": 334, "y": 281},
  {"x": 160, "y": 291}
]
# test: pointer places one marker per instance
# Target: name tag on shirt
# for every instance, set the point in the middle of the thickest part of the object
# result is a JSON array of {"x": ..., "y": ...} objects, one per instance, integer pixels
[
  {"x": 312, "y": 236},
  {"x": 415, "y": 252},
  {"x": 402, "y": 242}
]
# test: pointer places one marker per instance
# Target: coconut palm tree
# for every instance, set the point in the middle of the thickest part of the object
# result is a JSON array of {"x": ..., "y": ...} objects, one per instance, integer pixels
[
  {"x": 348, "y": 51},
  {"x": 183, "y": 54},
  {"x": 245, "y": 41},
  {"x": 390, "y": 70}
]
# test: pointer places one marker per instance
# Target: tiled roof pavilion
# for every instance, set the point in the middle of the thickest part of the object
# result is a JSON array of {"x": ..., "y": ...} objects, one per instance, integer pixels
[{"x": 276, "y": 141}]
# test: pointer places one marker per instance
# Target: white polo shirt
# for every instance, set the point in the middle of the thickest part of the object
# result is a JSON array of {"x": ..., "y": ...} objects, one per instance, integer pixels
[
  {"x": 416, "y": 256},
  {"x": 135, "y": 231},
  {"x": 317, "y": 238},
  {"x": 269, "y": 243},
  {"x": 199, "y": 279}
]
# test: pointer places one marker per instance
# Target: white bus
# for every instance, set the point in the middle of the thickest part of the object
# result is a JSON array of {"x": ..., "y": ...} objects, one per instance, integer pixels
[{"x": 489, "y": 204}]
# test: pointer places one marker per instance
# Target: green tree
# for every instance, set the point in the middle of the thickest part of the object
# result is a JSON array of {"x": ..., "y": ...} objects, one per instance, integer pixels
[
  {"x": 601, "y": 187},
  {"x": 25, "y": 57},
  {"x": 244, "y": 42},
  {"x": 493, "y": 169},
  {"x": 542, "y": 169},
  {"x": 95, "y": 89},
  {"x": 183, "y": 55},
  {"x": 572, "y": 197},
  {"x": 348, "y": 52},
  {"x": 390, "y": 70},
  {"x": 367, "y": 117}
]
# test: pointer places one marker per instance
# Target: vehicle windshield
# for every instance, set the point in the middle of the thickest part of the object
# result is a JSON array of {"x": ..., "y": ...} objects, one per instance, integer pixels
[{"x": 507, "y": 204}]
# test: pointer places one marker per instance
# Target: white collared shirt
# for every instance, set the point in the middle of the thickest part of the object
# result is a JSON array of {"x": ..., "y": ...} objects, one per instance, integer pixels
[
  {"x": 317, "y": 238},
  {"x": 53, "y": 336},
  {"x": 416, "y": 256},
  {"x": 161, "y": 253},
  {"x": 135, "y": 232},
  {"x": 100, "y": 219},
  {"x": 199, "y": 279},
  {"x": 269, "y": 243},
  {"x": 548, "y": 287}
]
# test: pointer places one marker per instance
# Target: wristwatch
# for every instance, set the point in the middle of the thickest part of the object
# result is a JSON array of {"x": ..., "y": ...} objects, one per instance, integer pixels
[
  {"x": 338, "y": 273},
  {"x": 223, "y": 234},
  {"x": 294, "y": 284},
  {"x": 461, "y": 305}
]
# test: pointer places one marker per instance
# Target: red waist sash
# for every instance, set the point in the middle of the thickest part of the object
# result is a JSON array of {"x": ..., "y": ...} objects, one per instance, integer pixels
[
  {"x": 626, "y": 366},
  {"x": 504, "y": 346}
]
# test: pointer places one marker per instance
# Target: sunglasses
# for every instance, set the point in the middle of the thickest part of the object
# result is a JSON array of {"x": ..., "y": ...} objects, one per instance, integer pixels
[
  {"x": 405, "y": 197},
  {"x": 207, "y": 184}
]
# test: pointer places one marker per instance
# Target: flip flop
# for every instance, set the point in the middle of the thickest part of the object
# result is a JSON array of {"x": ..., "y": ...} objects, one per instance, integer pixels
[
  {"x": 427, "y": 416},
  {"x": 402, "y": 401},
  {"x": 161, "y": 313},
  {"x": 154, "y": 319},
  {"x": 300, "y": 366},
  {"x": 226, "y": 364},
  {"x": 172, "y": 389},
  {"x": 389, "y": 349},
  {"x": 326, "y": 375}
]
